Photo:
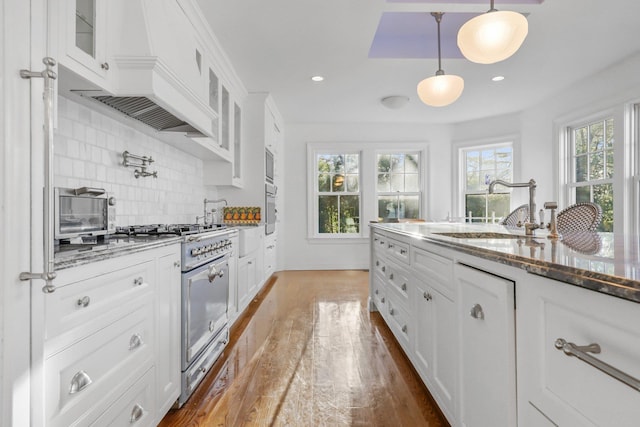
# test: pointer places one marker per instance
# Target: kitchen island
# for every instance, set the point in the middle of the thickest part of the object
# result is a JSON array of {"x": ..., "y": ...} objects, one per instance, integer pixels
[{"x": 492, "y": 319}]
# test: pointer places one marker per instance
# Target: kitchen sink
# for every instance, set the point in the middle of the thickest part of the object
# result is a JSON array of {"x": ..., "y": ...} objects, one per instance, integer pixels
[{"x": 482, "y": 235}]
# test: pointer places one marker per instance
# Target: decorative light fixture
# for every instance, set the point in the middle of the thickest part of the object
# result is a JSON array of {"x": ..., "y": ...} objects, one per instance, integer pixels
[
  {"x": 493, "y": 36},
  {"x": 441, "y": 89},
  {"x": 394, "y": 102}
]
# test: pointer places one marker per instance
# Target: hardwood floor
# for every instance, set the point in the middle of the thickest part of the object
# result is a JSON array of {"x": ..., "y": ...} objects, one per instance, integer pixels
[{"x": 308, "y": 353}]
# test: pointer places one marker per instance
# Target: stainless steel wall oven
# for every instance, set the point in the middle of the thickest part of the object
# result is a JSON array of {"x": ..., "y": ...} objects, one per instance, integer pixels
[{"x": 270, "y": 208}]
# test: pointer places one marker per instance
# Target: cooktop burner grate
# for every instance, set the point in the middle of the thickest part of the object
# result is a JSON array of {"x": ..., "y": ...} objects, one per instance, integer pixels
[{"x": 177, "y": 229}]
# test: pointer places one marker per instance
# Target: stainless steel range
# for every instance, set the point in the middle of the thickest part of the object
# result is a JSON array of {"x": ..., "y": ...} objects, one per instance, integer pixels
[{"x": 205, "y": 294}]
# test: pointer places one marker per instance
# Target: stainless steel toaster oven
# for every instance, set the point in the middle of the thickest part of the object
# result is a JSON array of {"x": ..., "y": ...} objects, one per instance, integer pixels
[{"x": 84, "y": 211}]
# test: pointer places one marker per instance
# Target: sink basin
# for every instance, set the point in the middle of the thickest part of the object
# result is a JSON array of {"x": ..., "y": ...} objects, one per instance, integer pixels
[
  {"x": 249, "y": 240},
  {"x": 482, "y": 235}
]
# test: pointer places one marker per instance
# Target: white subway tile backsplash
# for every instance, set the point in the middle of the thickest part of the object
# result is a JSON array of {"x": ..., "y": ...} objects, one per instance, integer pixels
[{"x": 88, "y": 152}]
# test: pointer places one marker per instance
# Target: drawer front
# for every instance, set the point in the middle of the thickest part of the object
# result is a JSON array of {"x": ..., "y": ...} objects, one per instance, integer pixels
[
  {"x": 400, "y": 283},
  {"x": 85, "y": 378},
  {"x": 436, "y": 270},
  {"x": 136, "y": 407},
  {"x": 398, "y": 250},
  {"x": 565, "y": 389},
  {"x": 379, "y": 243},
  {"x": 398, "y": 321},
  {"x": 379, "y": 265},
  {"x": 88, "y": 305},
  {"x": 379, "y": 294}
]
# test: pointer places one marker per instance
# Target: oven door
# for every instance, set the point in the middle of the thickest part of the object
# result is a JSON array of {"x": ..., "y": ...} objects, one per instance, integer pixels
[{"x": 205, "y": 293}]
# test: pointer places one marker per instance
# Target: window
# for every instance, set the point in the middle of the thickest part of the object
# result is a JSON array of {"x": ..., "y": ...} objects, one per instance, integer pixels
[
  {"x": 398, "y": 185},
  {"x": 338, "y": 193},
  {"x": 592, "y": 167},
  {"x": 481, "y": 165}
]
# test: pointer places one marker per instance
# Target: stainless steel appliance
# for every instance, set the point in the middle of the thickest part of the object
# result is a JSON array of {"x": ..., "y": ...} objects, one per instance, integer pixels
[
  {"x": 269, "y": 166},
  {"x": 270, "y": 208},
  {"x": 205, "y": 254},
  {"x": 83, "y": 211}
]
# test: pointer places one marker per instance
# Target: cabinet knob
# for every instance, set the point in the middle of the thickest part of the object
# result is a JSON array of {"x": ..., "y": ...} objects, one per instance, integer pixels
[
  {"x": 105, "y": 66},
  {"x": 404, "y": 329},
  {"x": 83, "y": 302},
  {"x": 138, "y": 281},
  {"x": 403, "y": 251},
  {"x": 476, "y": 312},
  {"x": 427, "y": 296},
  {"x": 383, "y": 268},
  {"x": 390, "y": 246},
  {"x": 376, "y": 292},
  {"x": 79, "y": 382},
  {"x": 403, "y": 287},
  {"x": 391, "y": 276},
  {"x": 392, "y": 311},
  {"x": 135, "y": 341},
  {"x": 176, "y": 264},
  {"x": 136, "y": 413},
  {"x": 377, "y": 263},
  {"x": 382, "y": 300}
]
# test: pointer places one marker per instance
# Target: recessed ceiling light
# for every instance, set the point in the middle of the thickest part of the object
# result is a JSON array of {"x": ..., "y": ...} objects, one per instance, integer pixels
[
  {"x": 317, "y": 78},
  {"x": 497, "y": 78}
]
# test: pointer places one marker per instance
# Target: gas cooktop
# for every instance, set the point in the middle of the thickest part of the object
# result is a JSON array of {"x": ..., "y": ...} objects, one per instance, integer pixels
[{"x": 176, "y": 229}]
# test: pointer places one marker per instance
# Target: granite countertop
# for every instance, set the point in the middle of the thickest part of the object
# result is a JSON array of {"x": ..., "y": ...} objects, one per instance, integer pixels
[
  {"x": 73, "y": 255},
  {"x": 604, "y": 262}
]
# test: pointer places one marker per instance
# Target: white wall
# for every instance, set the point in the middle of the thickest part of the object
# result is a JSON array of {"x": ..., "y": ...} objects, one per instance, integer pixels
[
  {"x": 534, "y": 129},
  {"x": 88, "y": 152},
  {"x": 300, "y": 253}
]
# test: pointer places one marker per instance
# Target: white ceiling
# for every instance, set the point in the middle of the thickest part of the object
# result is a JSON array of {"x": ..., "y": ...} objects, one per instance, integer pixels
[{"x": 277, "y": 45}]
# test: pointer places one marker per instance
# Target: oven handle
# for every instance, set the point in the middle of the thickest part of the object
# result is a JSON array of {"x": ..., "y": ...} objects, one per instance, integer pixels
[{"x": 214, "y": 269}]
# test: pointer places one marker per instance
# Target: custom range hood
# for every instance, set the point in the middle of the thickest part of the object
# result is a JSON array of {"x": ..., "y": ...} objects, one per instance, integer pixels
[{"x": 157, "y": 68}]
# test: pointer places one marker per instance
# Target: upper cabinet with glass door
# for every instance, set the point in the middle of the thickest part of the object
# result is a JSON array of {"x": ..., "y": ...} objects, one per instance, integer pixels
[{"x": 79, "y": 39}]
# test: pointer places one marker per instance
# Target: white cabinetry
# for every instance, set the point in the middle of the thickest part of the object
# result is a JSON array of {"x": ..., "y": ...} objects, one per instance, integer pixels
[
  {"x": 270, "y": 254},
  {"x": 250, "y": 266},
  {"x": 110, "y": 340},
  {"x": 558, "y": 389},
  {"x": 435, "y": 330},
  {"x": 78, "y": 39},
  {"x": 487, "y": 349}
]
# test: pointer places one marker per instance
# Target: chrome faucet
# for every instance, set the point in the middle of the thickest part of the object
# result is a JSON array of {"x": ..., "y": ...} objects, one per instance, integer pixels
[
  {"x": 206, "y": 214},
  {"x": 530, "y": 225}
]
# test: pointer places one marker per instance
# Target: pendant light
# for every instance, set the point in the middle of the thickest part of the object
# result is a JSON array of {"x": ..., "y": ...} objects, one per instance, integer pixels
[
  {"x": 441, "y": 89},
  {"x": 493, "y": 36}
]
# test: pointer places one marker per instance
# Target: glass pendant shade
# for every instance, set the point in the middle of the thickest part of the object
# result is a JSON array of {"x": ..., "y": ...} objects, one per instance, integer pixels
[
  {"x": 493, "y": 36},
  {"x": 440, "y": 90}
]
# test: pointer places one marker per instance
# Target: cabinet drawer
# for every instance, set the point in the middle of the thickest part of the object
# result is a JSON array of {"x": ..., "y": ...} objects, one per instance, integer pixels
[
  {"x": 435, "y": 269},
  {"x": 379, "y": 265},
  {"x": 398, "y": 320},
  {"x": 85, "y": 378},
  {"x": 136, "y": 407},
  {"x": 399, "y": 251},
  {"x": 567, "y": 390},
  {"x": 84, "y": 306},
  {"x": 399, "y": 282},
  {"x": 379, "y": 294},
  {"x": 379, "y": 243}
]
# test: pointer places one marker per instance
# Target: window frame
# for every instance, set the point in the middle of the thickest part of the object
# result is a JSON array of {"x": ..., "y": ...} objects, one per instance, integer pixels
[
  {"x": 419, "y": 193},
  {"x": 461, "y": 150}
]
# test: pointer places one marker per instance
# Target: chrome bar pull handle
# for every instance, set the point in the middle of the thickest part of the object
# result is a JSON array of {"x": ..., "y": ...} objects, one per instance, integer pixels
[
  {"x": 49, "y": 273},
  {"x": 582, "y": 353},
  {"x": 79, "y": 382},
  {"x": 476, "y": 312},
  {"x": 136, "y": 413}
]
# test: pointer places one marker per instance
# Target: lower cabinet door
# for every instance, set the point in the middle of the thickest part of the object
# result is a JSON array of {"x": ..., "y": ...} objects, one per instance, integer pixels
[{"x": 487, "y": 349}]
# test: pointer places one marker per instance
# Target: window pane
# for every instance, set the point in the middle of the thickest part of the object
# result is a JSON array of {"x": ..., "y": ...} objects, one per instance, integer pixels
[
  {"x": 384, "y": 162},
  {"x": 397, "y": 163},
  {"x": 580, "y": 140},
  {"x": 581, "y": 169},
  {"x": 383, "y": 183},
  {"x": 609, "y": 167},
  {"x": 411, "y": 182},
  {"x": 476, "y": 204},
  {"x": 324, "y": 182},
  {"x": 596, "y": 133},
  {"x": 397, "y": 182},
  {"x": 488, "y": 160},
  {"x": 412, "y": 163},
  {"x": 583, "y": 194},
  {"x": 352, "y": 163},
  {"x": 323, "y": 163},
  {"x": 473, "y": 181},
  {"x": 499, "y": 204},
  {"x": 504, "y": 158},
  {"x": 328, "y": 219},
  {"x": 387, "y": 207},
  {"x": 337, "y": 162},
  {"x": 349, "y": 214},
  {"x": 352, "y": 183},
  {"x": 337, "y": 183},
  {"x": 409, "y": 207},
  {"x": 596, "y": 166},
  {"x": 609, "y": 133},
  {"x": 603, "y": 195}
]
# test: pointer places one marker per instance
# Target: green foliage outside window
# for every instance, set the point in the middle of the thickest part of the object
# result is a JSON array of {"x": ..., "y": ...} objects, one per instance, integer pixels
[{"x": 338, "y": 179}]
